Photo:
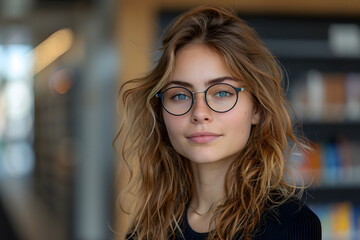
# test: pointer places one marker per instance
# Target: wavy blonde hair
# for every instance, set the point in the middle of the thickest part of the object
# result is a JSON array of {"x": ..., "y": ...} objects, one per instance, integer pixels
[{"x": 163, "y": 184}]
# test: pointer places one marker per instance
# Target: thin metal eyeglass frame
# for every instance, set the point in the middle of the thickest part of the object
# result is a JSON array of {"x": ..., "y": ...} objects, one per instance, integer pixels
[{"x": 161, "y": 96}]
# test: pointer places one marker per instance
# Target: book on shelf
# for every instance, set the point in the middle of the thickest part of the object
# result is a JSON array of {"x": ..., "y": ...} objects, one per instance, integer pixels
[
  {"x": 310, "y": 165},
  {"x": 334, "y": 99},
  {"x": 331, "y": 163},
  {"x": 327, "y": 97},
  {"x": 353, "y": 96},
  {"x": 339, "y": 220},
  {"x": 335, "y": 163}
]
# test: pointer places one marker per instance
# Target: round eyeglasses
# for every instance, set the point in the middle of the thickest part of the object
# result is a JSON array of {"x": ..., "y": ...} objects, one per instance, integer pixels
[{"x": 220, "y": 97}]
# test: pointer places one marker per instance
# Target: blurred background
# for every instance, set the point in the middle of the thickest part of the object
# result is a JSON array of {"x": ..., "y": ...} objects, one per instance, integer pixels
[{"x": 61, "y": 64}]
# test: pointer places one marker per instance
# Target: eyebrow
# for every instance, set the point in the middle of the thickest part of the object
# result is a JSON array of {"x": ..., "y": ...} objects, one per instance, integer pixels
[{"x": 210, "y": 82}]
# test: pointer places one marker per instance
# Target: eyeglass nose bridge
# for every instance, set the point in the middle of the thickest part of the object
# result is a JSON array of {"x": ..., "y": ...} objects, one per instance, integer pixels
[{"x": 193, "y": 96}]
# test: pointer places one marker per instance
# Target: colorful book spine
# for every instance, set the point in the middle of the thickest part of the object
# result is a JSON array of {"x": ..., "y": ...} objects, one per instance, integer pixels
[
  {"x": 338, "y": 220},
  {"x": 329, "y": 164},
  {"x": 327, "y": 97}
]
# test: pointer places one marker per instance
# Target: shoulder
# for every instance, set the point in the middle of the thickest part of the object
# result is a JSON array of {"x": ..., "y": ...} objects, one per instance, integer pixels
[{"x": 291, "y": 220}]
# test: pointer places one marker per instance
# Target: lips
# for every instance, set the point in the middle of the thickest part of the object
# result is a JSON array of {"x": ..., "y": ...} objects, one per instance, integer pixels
[{"x": 203, "y": 137}]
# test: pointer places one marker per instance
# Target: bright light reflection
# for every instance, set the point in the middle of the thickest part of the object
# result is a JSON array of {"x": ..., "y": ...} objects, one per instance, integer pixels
[
  {"x": 16, "y": 110},
  {"x": 52, "y": 48},
  {"x": 18, "y": 99},
  {"x": 18, "y": 63}
]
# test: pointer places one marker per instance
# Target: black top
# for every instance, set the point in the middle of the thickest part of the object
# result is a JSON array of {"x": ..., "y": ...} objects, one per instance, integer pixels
[{"x": 291, "y": 220}]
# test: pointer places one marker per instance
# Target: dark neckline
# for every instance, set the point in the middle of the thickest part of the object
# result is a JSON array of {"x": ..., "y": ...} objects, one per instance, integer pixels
[{"x": 191, "y": 232}]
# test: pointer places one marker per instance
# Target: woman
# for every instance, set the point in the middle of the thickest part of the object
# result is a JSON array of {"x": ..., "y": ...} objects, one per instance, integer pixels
[{"x": 210, "y": 130}]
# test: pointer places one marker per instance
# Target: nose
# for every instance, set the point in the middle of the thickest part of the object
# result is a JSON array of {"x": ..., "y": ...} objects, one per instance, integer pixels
[{"x": 201, "y": 113}]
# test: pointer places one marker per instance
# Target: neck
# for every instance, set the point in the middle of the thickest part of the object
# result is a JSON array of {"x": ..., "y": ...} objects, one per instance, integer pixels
[{"x": 209, "y": 181}]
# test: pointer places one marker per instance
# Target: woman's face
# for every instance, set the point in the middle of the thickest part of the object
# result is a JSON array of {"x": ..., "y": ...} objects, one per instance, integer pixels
[{"x": 202, "y": 135}]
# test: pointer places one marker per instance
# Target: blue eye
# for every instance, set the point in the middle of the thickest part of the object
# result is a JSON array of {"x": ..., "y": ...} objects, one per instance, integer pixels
[
  {"x": 180, "y": 97},
  {"x": 222, "y": 94}
]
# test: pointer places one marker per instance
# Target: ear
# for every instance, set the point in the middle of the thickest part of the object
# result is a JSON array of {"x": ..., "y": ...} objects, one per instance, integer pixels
[{"x": 255, "y": 118}]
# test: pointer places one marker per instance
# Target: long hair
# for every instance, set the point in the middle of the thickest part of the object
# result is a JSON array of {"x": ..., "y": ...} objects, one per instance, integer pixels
[{"x": 163, "y": 184}]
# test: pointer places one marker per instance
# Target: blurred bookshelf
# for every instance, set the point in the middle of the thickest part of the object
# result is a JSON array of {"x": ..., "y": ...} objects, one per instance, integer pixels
[{"x": 321, "y": 57}]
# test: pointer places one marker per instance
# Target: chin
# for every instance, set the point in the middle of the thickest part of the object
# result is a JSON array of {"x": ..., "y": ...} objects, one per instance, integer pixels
[
  {"x": 204, "y": 158},
  {"x": 203, "y": 161},
  {"x": 211, "y": 158}
]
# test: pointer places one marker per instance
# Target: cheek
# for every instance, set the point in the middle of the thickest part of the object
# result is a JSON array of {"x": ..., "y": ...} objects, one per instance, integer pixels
[
  {"x": 173, "y": 126},
  {"x": 238, "y": 118},
  {"x": 169, "y": 122},
  {"x": 239, "y": 124}
]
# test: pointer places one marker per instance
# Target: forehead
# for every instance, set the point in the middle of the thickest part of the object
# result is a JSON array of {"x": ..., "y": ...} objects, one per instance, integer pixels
[
  {"x": 189, "y": 84},
  {"x": 194, "y": 63},
  {"x": 198, "y": 66}
]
